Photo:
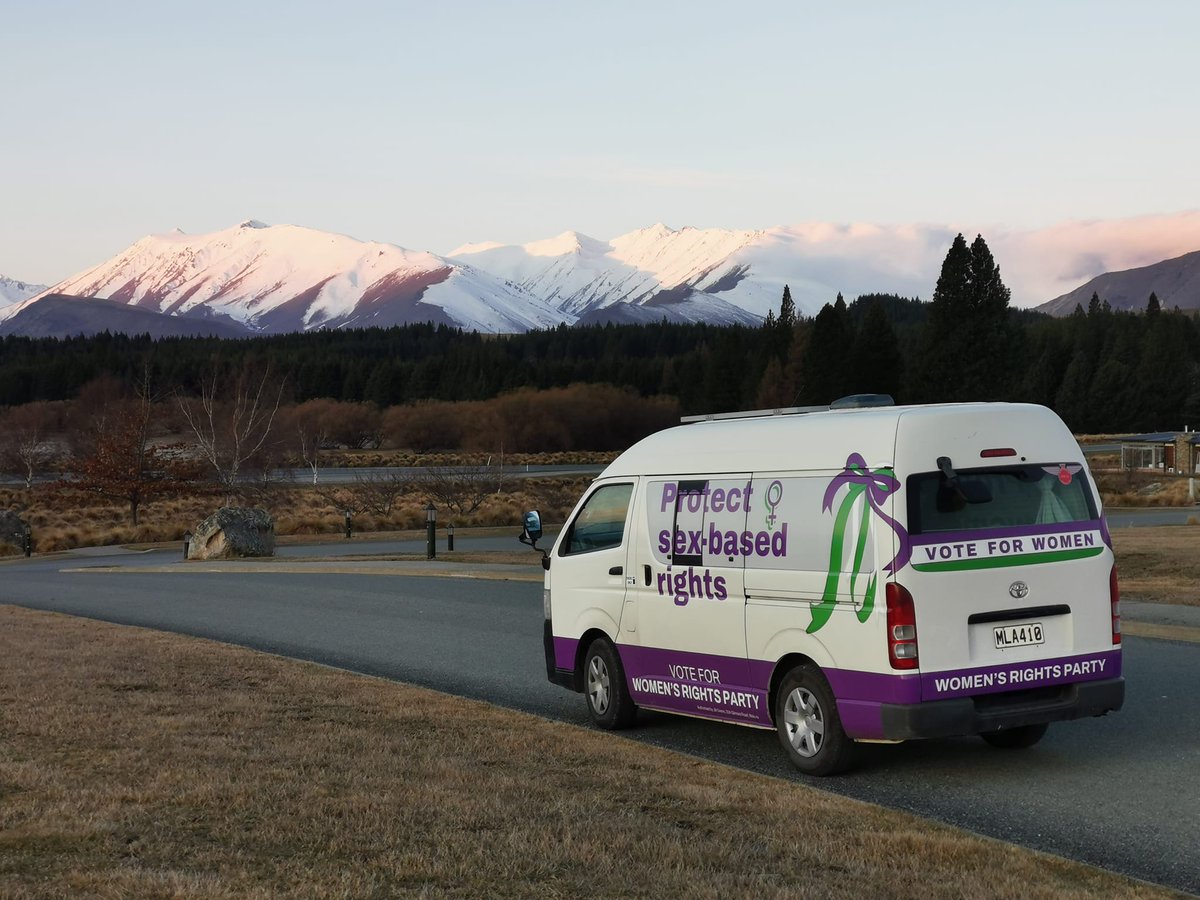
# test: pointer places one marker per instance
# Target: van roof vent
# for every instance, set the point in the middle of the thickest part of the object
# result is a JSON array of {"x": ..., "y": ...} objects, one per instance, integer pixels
[{"x": 862, "y": 401}]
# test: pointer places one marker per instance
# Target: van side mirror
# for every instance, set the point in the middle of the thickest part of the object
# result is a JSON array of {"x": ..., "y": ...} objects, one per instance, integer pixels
[
  {"x": 531, "y": 530},
  {"x": 531, "y": 533}
]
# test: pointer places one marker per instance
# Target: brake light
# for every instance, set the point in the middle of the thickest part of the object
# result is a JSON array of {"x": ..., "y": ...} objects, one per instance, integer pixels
[
  {"x": 994, "y": 452},
  {"x": 1114, "y": 598},
  {"x": 901, "y": 627}
]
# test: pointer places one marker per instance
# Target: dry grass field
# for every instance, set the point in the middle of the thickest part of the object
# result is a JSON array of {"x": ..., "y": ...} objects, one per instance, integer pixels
[
  {"x": 63, "y": 520},
  {"x": 141, "y": 764},
  {"x": 1159, "y": 564}
]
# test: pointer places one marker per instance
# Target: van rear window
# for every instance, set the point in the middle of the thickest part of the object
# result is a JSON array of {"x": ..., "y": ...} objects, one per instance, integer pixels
[{"x": 999, "y": 497}]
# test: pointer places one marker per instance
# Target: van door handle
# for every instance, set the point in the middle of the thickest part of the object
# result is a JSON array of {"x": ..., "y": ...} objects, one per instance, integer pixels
[
  {"x": 647, "y": 568},
  {"x": 616, "y": 570}
]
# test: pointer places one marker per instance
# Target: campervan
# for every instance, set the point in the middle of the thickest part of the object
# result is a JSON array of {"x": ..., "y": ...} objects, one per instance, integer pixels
[{"x": 862, "y": 574}]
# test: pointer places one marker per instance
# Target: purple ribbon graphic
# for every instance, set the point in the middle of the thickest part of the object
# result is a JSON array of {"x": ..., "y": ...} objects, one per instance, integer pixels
[{"x": 877, "y": 486}]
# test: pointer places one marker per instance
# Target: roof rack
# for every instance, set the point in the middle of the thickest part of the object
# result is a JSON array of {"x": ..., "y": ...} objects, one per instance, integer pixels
[
  {"x": 854, "y": 401},
  {"x": 755, "y": 413}
]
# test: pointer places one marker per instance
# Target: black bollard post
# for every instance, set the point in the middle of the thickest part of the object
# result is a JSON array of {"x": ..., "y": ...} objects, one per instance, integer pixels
[
  {"x": 450, "y": 536},
  {"x": 28, "y": 541},
  {"x": 187, "y": 543},
  {"x": 430, "y": 531},
  {"x": 347, "y": 525}
]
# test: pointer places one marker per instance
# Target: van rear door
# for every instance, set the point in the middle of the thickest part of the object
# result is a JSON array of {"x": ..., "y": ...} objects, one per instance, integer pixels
[{"x": 1010, "y": 563}]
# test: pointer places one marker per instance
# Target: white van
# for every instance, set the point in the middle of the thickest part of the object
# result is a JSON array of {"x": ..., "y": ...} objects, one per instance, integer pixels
[{"x": 865, "y": 574}]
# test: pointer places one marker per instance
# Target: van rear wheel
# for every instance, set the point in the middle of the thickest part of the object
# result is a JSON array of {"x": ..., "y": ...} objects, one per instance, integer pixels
[
  {"x": 1016, "y": 738},
  {"x": 608, "y": 700},
  {"x": 807, "y": 721}
]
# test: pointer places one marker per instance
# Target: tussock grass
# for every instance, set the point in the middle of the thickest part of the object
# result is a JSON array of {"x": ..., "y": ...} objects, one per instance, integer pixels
[
  {"x": 1161, "y": 564},
  {"x": 64, "y": 519},
  {"x": 137, "y": 763},
  {"x": 1126, "y": 488},
  {"x": 398, "y": 457}
]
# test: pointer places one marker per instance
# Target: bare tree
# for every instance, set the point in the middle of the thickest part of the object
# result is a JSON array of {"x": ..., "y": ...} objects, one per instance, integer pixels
[
  {"x": 342, "y": 497},
  {"x": 122, "y": 463},
  {"x": 379, "y": 492},
  {"x": 24, "y": 447},
  {"x": 376, "y": 493},
  {"x": 233, "y": 425},
  {"x": 305, "y": 433},
  {"x": 460, "y": 488}
]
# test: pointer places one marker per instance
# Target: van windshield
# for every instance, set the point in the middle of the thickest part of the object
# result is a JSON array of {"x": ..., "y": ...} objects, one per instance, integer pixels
[{"x": 1000, "y": 497}]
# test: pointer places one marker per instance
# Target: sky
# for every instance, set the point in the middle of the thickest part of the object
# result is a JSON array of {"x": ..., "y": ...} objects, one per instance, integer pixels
[{"x": 430, "y": 125}]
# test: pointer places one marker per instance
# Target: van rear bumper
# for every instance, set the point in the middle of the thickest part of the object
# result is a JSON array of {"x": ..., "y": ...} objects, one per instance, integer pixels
[{"x": 991, "y": 712}]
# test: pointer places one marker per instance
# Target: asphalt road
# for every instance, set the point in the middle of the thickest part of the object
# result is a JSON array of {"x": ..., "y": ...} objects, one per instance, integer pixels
[
  {"x": 1142, "y": 517},
  {"x": 1121, "y": 792}
]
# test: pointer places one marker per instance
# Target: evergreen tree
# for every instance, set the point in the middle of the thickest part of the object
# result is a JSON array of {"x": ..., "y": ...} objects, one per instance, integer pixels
[
  {"x": 773, "y": 392},
  {"x": 967, "y": 345},
  {"x": 1094, "y": 304},
  {"x": 1073, "y": 399},
  {"x": 778, "y": 331},
  {"x": 825, "y": 369},
  {"x": 1152, "y": 305},
  {"x": 876, "y": 365},
  {"x": 787, "y": 310}
]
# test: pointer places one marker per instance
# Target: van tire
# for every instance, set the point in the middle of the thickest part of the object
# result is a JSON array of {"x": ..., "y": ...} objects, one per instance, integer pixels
[
  {"x": 1016, "y": 738},
  {"x": 608, "y": 701},
  {"x": 808, "y": 724}
]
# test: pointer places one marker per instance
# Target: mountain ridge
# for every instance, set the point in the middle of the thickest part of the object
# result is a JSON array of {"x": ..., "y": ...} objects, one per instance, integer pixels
[
  {"x": 284, "y": 278},
  {"x": 1176, "y": 282},
  {"x": 272, "y": 279}
]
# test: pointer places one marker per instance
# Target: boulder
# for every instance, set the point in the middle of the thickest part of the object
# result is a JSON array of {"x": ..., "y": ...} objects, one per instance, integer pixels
[
  {"x": 234, "y": 531},
  {"x": 12, "y": 529}
]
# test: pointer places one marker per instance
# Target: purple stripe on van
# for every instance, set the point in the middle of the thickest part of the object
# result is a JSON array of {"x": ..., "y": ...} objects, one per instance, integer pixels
[
  {"x": 736, "y": 690},
  {"x": 861, "y": 718},
  {"x": 1021, "y": 675},
  {"x": 564, "y": 652},
  {"x": 704, "y": 684},
  {"x": 943, "y": 537}
]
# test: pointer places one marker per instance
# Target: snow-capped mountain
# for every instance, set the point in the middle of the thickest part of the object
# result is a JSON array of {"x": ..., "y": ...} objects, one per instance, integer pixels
[
  {"x": 259, "y": 279},
  {"x": 713, "y": 275},
  {"x": 746, "y": 270},
  {"x": 13, "y": 291},
  {"x": 286, "y": 278}
]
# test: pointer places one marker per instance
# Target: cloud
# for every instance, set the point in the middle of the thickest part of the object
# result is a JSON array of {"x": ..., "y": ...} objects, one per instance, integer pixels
[{"x": 1039, "y": 265}]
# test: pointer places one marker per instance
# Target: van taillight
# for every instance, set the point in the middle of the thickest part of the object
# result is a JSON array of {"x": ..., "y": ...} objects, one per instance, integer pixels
[
  {"x": 901, "y": 627},
  {"x": 1114, "y": 598}
]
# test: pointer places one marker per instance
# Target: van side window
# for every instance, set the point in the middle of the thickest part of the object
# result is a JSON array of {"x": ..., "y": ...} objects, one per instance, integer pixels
[{"x": 601, "y": 522}]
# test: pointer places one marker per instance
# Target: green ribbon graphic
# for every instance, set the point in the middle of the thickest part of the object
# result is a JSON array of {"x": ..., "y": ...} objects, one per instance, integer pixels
[{"x": 872, "y": 489}]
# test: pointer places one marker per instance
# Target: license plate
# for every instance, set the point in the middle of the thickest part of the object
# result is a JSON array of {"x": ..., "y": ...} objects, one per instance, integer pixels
[{"x": 1019, "y": 635}]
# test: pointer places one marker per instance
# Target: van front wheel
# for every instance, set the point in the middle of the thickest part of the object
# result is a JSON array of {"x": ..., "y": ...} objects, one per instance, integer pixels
[
  {"x": 808, "y": 724},
  {"x": 608, "y": 700},
  {"x": 1016, "y": 738}
]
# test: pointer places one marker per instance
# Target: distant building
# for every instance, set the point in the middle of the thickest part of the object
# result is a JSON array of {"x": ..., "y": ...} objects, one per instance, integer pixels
[{"x": 1165, "y": 451}]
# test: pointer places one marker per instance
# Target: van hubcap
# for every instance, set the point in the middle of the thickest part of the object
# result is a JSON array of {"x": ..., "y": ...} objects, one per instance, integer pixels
[
  {"x": 597, "y": 685},
  {"x": 804, "y": 721}
]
